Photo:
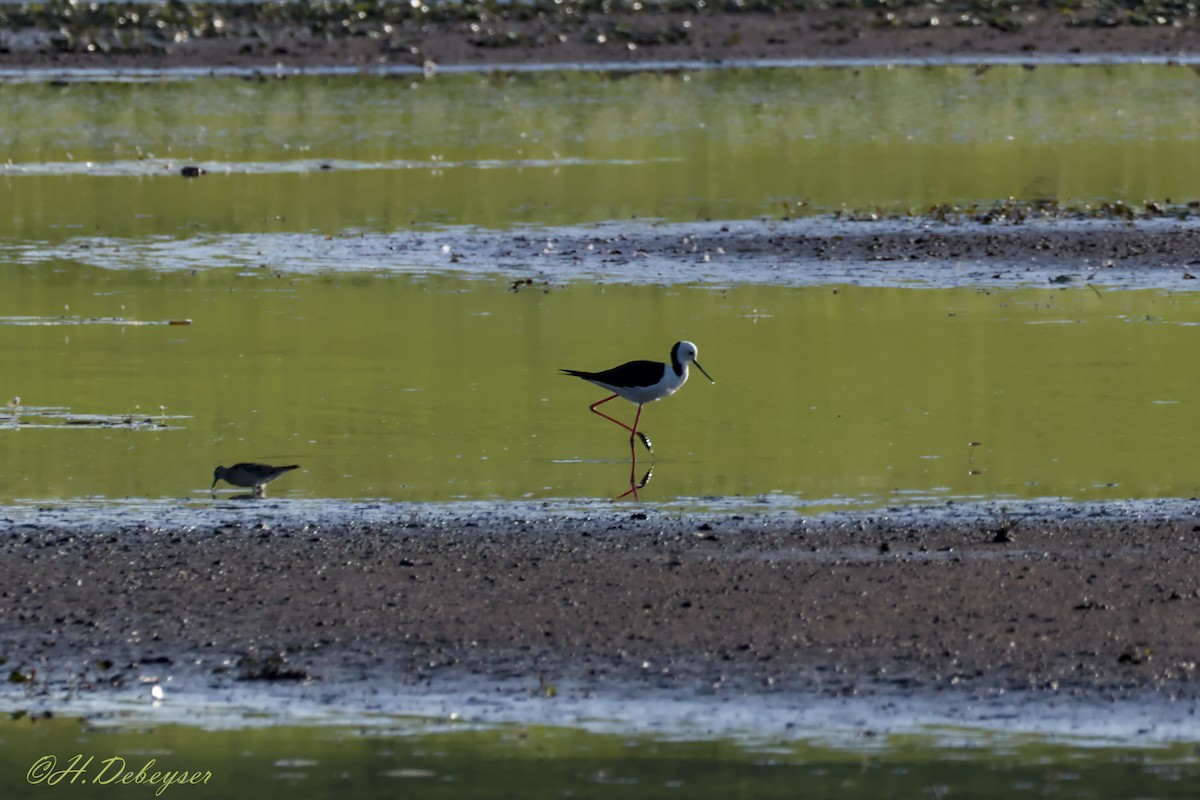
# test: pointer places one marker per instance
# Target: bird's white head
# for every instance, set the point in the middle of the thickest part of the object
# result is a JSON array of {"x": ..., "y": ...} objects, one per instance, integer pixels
[{"x": 683, "y": 352}]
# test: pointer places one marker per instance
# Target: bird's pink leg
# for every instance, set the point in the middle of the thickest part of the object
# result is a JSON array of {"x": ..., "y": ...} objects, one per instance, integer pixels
[
  {"x": 632, "y": 431},
  {"x": 593, "y": 409}
]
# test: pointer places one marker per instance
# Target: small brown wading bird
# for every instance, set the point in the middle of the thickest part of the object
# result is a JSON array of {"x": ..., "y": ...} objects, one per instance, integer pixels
[
  {"x": 250, "y": 475},
  {"x": 643, "y": 382}
]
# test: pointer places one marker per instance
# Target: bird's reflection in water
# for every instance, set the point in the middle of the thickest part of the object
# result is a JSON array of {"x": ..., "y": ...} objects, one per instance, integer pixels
[
  {"x": 242, "y": 497},
  {"x": 634, "y": 484}
]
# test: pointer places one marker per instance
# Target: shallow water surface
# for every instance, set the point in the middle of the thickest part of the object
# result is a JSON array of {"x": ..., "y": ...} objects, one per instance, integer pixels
[
  {"x": 430, "y": 759},
  {"x": 440, "y": 388},
  {"x": 331, "y": 153},
  {"x": 284, "y": 307}
]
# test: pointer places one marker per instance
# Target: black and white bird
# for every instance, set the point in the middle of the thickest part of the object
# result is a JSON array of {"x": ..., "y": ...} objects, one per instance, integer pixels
[
  {"x": 643, "y": 382},
  {"x": 247, "y": 476}
]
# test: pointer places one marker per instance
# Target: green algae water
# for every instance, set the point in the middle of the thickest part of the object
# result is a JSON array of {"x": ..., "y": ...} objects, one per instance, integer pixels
[
  {"x": 441, "y": 388},
  {"x": 154, "y": 326},
  {"x": 331, "y": 153},
  {"x": 537, "y": 762}
]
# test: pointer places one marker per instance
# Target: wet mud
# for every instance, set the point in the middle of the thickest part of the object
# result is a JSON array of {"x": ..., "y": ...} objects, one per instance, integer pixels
[
  {"x": 1071, "y": 602},
  {"x": 912, "y": 251},
  {"x": 264, "y": 36},
  {"x": 1154, "y": 253}
]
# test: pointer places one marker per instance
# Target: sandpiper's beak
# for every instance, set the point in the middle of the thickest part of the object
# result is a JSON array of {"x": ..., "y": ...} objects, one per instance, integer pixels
[{"x": 702, "y": 369}]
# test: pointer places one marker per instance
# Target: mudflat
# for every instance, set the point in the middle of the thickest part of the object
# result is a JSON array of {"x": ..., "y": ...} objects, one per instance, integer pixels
[
  {"x": 1063, "y": 599},
  {"x": 297, "y": 35}
]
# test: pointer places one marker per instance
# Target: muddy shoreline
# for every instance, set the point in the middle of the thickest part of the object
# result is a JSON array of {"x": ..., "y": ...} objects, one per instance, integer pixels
[
  {"x": 1148, "y": 253},
  {"x": 569, "y": 34},
  {"x": 1067, "y": 603},
  {"x": 1054, "y": 602},
  {"x": 1059, "y": 253}
]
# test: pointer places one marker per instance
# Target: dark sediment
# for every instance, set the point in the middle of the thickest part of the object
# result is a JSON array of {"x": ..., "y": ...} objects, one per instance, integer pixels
[
  {"x": 263, "y": 35},
  {"x": 1083, "y": 601},
  {"x": 1143, "y": 253}
]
